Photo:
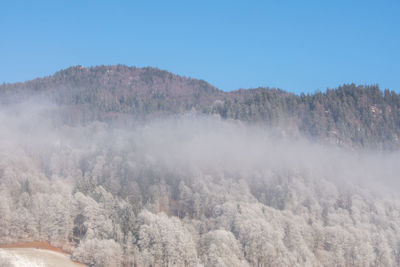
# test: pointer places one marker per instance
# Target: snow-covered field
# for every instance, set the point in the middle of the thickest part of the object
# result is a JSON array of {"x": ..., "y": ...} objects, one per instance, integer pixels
[{"x": 32, "y": 257}]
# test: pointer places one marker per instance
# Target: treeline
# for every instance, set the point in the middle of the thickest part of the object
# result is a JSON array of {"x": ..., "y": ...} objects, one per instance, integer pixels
[
  {"x": 356, "y": 116},
  {"x": 353, "y": 116}
]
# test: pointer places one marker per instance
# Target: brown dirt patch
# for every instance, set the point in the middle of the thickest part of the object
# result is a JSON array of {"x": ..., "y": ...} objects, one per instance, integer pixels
[{"x": 41, "y": 245}]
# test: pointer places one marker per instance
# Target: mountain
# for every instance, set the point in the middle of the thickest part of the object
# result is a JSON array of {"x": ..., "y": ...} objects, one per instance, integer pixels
[
  {"x": 356, "y": 116},
  {"x": 124, "y": 166},
  {"x": 105, "y": 92}
]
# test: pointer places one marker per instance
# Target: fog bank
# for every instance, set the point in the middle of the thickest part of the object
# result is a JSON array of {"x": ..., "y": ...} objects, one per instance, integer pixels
[{"x": 194, "y": 190}]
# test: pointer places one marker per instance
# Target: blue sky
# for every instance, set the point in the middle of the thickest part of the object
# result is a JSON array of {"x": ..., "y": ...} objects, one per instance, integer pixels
[{"x": 299, "y": 46}]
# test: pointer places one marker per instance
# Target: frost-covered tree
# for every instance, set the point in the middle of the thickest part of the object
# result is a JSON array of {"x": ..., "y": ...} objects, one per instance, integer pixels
[
  {"x": 164, "y": 241},
  {"x": 220, "y": 248},
  {"x": 98, "y": 253}
]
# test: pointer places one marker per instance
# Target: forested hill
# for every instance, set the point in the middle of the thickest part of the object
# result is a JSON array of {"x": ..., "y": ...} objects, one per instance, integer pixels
[
  {"x": 86, "y": 165},
  {"x": 356, "y": 116}
]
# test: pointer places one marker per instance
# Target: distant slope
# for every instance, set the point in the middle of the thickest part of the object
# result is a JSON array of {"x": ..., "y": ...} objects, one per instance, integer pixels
[
  {"x": 356, "y": 116},
  {"x": 102, "y": 92}
]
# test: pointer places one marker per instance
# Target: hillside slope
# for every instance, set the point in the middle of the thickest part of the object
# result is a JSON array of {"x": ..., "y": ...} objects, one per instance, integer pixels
[
  {"x": 355, "y": 116},
  {"x": 140, "y": 167}
]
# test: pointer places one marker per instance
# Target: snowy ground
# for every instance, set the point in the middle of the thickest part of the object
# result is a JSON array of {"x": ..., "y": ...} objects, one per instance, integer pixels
[{"x": 32, "y": 257}]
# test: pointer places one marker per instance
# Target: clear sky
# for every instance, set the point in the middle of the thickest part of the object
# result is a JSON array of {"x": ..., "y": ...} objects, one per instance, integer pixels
[{"x": 299, "y": 46}]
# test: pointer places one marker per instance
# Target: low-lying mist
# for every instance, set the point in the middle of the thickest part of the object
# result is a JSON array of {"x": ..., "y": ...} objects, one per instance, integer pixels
[
  {"x": 201, "y": 143},
  {"x": 194, "y": 190}
]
